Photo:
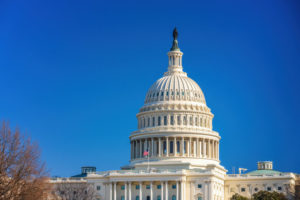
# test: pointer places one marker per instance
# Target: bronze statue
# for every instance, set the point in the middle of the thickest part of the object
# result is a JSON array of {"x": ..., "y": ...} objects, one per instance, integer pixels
[{"x": 175, "y": 34}]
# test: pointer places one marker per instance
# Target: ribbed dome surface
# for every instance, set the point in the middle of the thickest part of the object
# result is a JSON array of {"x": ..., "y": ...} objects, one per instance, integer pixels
[{"x": 175, "y": 87}]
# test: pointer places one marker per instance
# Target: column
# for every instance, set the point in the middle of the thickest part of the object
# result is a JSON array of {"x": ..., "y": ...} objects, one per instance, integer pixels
[
  {"x": 162, "y": 190},
  {"x": 136, "y": 149},
  {"x": 110, "y": 191},
  {"x": 141, "y": 151},
  {"x": 166, "y": 190},
  {"x": 167, "y": 146},
  {"x": 125, "y": 191},
  {"x": 181, "y": 191},
  {"x": 188, "y": 147},
  {"x": 213, "y": 150},
  {"x": 195, "y": 148},
  {"x": 152, "y": 147},
  {"x": 206, "y": 193},
  {"x": 182, "y": 146},
  {"x": 217, "y": 150},
  {"x": 131, "y": 157},
  {"x": 159, "y": 147},
  {"x": 203, "y": 147},
  {"x": 177, "y": 190},
  {"x": 198, "y": 149},
  {"x": 175, "y": 147},
  {"x": 151, "y": 191},
  {"x": 141, "y": 191},
  {"x": 145, "y": 145},
  {"x": 129, "y": 191},
  {"x": 191, "y": 190},
  {"x": 115, "y": 191},
  {"x": 209, "y": 149}
]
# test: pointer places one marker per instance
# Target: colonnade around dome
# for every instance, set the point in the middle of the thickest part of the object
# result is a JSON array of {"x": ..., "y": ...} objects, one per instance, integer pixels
[{"x": 172, "y": 146}]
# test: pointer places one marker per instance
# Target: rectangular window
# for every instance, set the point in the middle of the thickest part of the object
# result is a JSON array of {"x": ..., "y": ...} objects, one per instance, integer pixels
[
  {"x": 243, "y": 189},
  {"x": 137, "y": 198},
  {"x": 269, "y": 188},
  {"x": 172, "y": 120},
  {"x": 165, "y": 147},
  {"x": 178, "y": 120},
  {"x": 191, "y": 120},
  {"x": 158, "y": 121},
  {"x": 158, "y": 197},
  {"x": 184, "y": 148},
  {"x": 98, "y": 187},
  {"x": 174, "y": 186},
  {"x": 148, "y": 124},
  {"x": 279, "y": 188},
  {"x": 158, "y": 187},
  {"x": 165, "y": 120},
  {"x": 178, "y": 146},
  {"x": 199, "y": 186},
  {"x": 171, "y": 147},
  {"x": 122, "y": 187},
  {"x": 137, "y": 187},
  {"x": 147, "y": 187},
  {"x": 153, "y": 121},
  {"x": 122, "y": 198},
  {"x": 184, "y": 120}
]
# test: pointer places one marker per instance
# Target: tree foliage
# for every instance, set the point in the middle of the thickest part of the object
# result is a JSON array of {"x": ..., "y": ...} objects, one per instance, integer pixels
[
  {"x": 238, "y": 197},
  {"x": 22, "y": 175},
  {"x": 265, "y": 195}
]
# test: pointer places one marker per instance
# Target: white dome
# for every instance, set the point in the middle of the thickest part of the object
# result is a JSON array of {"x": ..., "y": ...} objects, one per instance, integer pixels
[{"x": 175, "y": 87}]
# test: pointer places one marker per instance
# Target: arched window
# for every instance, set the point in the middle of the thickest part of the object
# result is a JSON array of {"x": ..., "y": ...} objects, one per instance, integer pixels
[{"x": 173, "y": 197}]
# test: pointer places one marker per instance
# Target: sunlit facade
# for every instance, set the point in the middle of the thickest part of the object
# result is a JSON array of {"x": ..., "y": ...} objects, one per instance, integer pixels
[{"x": 175, "y": 150}]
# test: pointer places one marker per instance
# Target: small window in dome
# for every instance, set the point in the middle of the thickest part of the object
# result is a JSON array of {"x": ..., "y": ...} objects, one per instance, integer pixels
[
  {"x": 184, "y": 120},
  {"x": 178, "y": 120},
  {"x": 172, "y": 120}
]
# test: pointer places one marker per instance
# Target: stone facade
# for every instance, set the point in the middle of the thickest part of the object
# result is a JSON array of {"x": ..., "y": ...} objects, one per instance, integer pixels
[{"x": 175, "y": 151}]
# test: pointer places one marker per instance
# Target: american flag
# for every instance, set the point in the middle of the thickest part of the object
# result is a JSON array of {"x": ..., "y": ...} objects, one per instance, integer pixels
[{"x": 146, "y": 153}]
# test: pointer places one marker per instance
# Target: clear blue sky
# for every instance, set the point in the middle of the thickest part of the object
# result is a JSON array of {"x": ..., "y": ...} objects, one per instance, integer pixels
[{"x": 73, "y": 75}]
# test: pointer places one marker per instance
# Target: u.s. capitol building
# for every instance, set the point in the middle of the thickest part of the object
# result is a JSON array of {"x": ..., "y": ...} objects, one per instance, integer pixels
[{"x": 175, "y": 151}]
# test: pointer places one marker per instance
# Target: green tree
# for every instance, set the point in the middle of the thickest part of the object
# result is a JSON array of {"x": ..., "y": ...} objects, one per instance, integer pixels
[
  {"x": 238, "y": 197},
  {"x": 265, "y": 195}
]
